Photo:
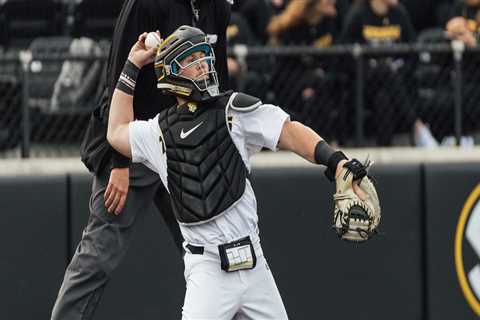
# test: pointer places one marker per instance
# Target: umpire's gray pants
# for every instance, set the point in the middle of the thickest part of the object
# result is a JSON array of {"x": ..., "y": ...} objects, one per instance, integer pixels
[{"x": 105, "y": 241}]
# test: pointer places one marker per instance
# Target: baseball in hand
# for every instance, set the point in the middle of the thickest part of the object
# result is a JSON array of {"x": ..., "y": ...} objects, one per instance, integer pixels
[{"x": 152, "y": 40}]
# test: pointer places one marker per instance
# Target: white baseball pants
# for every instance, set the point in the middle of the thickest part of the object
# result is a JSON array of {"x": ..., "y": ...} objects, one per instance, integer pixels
[{"x": 213, "y": 294}]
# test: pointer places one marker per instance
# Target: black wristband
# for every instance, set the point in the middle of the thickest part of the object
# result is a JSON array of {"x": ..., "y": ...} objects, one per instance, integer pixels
[
  {"x": 323, "y": 152},
  {"x": 128, "y": 78},
  {"x": 326, "y": 155},
  {"x": 119, "y": 160},
  {"x": 333, "y": 161}
]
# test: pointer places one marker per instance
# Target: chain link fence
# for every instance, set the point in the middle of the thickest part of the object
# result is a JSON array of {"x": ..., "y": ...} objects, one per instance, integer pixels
[
  {"x": 372, "y": 96},
  {"x": 353, "y": 95}
]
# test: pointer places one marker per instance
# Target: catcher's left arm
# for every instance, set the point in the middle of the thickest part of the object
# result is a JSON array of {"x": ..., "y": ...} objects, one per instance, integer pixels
[{"x": 357, "y": 207}]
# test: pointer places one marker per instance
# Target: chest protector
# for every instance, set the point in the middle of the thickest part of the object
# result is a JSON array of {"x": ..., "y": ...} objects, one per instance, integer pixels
[{"x": 206, "y": 174}]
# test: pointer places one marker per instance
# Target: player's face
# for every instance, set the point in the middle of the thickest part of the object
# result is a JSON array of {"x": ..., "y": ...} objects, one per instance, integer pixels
[{"x": 193, "y": 67}]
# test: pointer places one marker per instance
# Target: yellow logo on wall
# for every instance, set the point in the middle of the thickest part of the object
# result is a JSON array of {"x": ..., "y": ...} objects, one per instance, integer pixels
[{"x": 468, "y": 228}]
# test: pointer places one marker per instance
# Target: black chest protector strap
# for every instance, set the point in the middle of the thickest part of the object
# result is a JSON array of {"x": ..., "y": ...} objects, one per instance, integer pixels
[{"x": 206, "y": 174}]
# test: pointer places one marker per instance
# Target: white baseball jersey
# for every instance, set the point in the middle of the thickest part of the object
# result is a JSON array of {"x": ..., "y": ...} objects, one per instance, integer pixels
[{"x": 251, "y": 131}]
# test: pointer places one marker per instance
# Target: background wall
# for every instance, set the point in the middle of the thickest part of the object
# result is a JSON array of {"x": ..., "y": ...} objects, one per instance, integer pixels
[
  {"x": 408, "y": 273},
  {"x": 448, "y": 187}
]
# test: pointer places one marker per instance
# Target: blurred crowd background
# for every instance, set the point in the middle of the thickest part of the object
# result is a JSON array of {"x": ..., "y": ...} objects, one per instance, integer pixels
[{"x": 360, "y": 72}]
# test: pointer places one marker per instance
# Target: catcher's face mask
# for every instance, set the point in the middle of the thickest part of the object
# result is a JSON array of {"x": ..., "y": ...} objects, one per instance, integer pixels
[
  {"x": 196, "y": 64},
  {"x": 184, "y": 65}
]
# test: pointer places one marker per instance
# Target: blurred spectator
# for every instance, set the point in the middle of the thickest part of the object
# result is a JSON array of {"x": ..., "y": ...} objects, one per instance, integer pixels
[
  {"x": 380, "y": 23},
  {"x": 465, "y": 27},
  {"x": 277, "y": 6},
  {"x": 244, "y": 75},
  {"x": 468, "y": 9},
  {"x": 459, "y": 28},
  {"x": 257, "y": 14},
  {"x": 305, "y": 83},
  {"x": 247, "y": 26},
  {"x": 464, "y": 24},
  {"x": 308, "y": 22}
]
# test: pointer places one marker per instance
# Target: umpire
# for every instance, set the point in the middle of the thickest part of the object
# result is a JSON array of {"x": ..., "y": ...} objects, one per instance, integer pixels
[{"x": 107, "y": 236}]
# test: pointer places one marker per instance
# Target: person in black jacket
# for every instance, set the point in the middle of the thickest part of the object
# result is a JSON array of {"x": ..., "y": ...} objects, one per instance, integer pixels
[
  {"x": 378, "y": 22},
  {"x": 107, "y": 236}
]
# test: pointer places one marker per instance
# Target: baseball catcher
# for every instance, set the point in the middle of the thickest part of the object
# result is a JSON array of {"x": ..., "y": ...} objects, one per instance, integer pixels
[{"x": 201, "y": 148}]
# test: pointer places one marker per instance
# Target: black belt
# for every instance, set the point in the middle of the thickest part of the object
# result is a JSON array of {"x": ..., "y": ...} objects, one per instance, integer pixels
[
  {"x": 199, "y": 249},
  {"x": 195, "y": 249}
]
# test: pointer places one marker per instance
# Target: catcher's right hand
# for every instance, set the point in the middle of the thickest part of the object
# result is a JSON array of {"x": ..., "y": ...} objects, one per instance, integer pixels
[{"x": 355, "y": 219}]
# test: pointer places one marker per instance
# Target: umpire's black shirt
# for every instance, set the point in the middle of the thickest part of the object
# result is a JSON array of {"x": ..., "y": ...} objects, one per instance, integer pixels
[{"x": 136, "y": 17}]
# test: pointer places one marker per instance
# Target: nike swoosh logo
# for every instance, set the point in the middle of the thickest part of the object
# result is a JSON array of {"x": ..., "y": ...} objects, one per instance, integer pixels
[{"x": 183, "y": 135}]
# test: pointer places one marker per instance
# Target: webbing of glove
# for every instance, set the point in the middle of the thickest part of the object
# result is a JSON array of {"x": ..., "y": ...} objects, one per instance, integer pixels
[{"x": 355, "y": 219}]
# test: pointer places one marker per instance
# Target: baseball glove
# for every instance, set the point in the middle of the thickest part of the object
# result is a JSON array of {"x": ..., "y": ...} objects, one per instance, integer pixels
[{"x": 355, "y": 219}]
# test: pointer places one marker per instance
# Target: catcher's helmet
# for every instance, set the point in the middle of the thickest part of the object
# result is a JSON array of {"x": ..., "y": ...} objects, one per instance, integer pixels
[{"x": 168, "y": 65}]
